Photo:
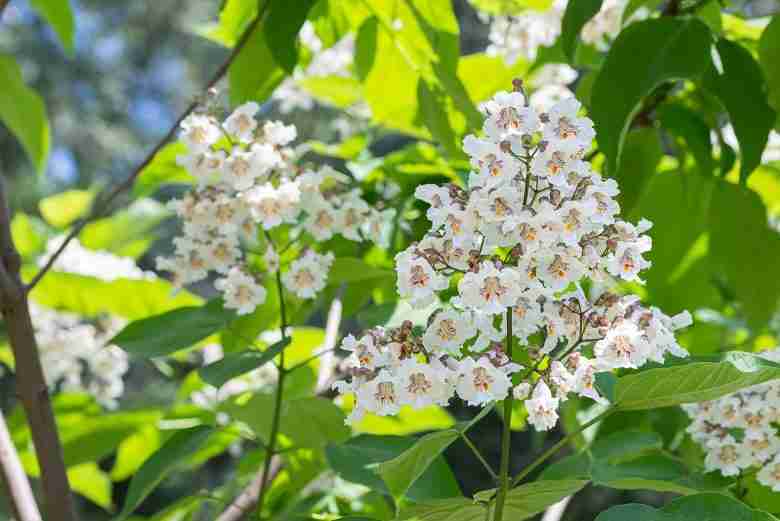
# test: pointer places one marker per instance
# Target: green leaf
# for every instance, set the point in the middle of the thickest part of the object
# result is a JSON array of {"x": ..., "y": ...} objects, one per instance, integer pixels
[
  {"x": 254, "y": 73},
  {"x": 401, "y": 472},
  {"x": 134, "y": 450},
  {"x": 642, "y": 154},
  {"x": 89, "y": 481},
  {"x": 626, "y": 444},
  {"x": 634, "y": 5},
  {"x": 127, "y": 233},
  {"x": 529, "y": 499},
  {"x": 282, "y": 24},
  {"x": 742, "y": 90},
  {"x": 510, "y": 7},
  {"x": 693, "y": 380},
  {"x": 60, "y": 16},
  {"x": 769, "y": 56},
  {"x": 22, "y": 110},
  {"x": 644, "y": 55},
  {"x": 61, "y": 210},
  {"x": 701, "y": 507},
  {"x": 740, "y": 243},
  {"x": 340, "y": 91},
  {"x": 127, "y": 298},
  {"x": 576, "y": 466},
  {"x": 166, "y": 460},
  {"x": 655, "y": 472},
  {"x": 351, "y": 269},
  {"x": 761, "y": 496},
  {"x": 163, "y": 170},
  {"x": 29, "y": 234},
  {"x": 169, "y": 332},
  {"x": 304, "y": 422},
  {"x": 354, "y": 461},
  {"x": 483, "y": 75},
  {"x": 433, "y": 108},
  {"x": 244, "y": 330},
  {"x": 233, "y": 20},
  {"x": 577, "y": 14},
  {"x": 457, "y": 509},
  {"x": 689, "y": 127},
  {"x": 236, "y": 364}
]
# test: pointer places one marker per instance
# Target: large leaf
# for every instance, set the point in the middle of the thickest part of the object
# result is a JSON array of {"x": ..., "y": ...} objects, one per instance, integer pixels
[
  {"x": 169, "y": 457},
  {"x": 341, "y": 91},
  {"x": 304, "y": 422},
  {"x": 254, "y": 73},
  {"x": 642, "y": 154},
  {"x": 174, "y": 330},
  {"x": 742, "y": 244},
  {"x": 689, "y": 127},
  {"x": 626, "y": 444},
  {"x": 456, "y": 509},
  {"x": 23, "y": 112},
  {"x": 236, "y": 364},
  {"x": 742, "y": 90},
  {"x": 401, "y": 472},
  {"x": 163, "y": 170},
  {"x": 354, "y": 462},
  {"x": 233, "y": 20},
  {"x": 769, "y": 55},
  {"x": 60, "y": 16},
  {"x": 29, "y": 234},
  {"x": 127, "y": 298},
  {"x": 350, "y": 269},
  {"x": 693, "y": 380},
  {"x": 89, "y": 481},
  {"x": 701, "y": 507},
  {"x": 128, "y": 232},
  {"x": 643, "y": 56},
  {"x": 62, "y": 209},
  {"x": 282, "y": 23},
  {"x": 527, "y": 500},
  {"x": 577, "y": 14}
]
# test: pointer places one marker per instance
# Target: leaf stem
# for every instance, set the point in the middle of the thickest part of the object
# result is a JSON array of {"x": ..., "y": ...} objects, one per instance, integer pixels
[
  {"x": 558, "y": 446},
  {"x": 506, "y": 436},
  {"x": 479, "y": 455}
]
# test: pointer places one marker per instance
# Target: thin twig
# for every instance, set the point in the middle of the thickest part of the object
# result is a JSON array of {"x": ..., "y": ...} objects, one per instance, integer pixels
[
  {"x": 247, "y": 499},
  {"x": 479, "y": 455},
  {"x": 102, "y": 204},
  {"x": 19, "y": 491}
]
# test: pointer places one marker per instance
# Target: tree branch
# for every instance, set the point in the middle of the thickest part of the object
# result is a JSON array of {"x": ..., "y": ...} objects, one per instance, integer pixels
[
  {"x": 103, "y": 203},
  {"x": 30, "y": 381},
  {"x": 19, "y": 491},
  {"x": 247, "y": 499}
]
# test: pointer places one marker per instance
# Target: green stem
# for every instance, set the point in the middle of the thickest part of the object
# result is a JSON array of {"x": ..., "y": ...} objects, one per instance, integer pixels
[
  {"x": 558, "y": 446},
  {"x": 479, "y": 455},
  {"x": 506, "y": 436},
  {"x": 271, "y": 449}
]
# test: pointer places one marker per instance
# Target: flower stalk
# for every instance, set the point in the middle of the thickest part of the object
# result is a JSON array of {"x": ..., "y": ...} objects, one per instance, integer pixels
[{"x": 506, "y": 435}]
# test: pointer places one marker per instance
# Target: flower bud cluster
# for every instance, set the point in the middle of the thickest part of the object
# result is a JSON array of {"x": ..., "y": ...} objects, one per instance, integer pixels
[
  {"x": 247, "y": 183},
  {"x": 739, "y": 431},
  {"x": 534, "y": 223}
]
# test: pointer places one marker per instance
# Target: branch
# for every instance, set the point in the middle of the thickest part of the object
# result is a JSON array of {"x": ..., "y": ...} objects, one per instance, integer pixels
[
  {"x": 21, "y": 495},
  {"x": 30, "y": 381},
  {"x": 102, "y": 203}
]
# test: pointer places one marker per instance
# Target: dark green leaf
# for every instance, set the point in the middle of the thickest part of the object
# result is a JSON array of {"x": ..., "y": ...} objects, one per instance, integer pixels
[
  {"x": 693, "y": 380},
  {"x": 22, "y": 110},
  {"x": 433, "y": 107},
  {"x": 742, "y": 244},
  {"x": 59, "y": 15},
  {"x": 742, "y": 90},
  {"x": 634, "y": 512},
  {"x": 577, "y": 14},
  {"x": 401, "y": 472},
  {"x": 352, "y": 460},
  {"x": 713, "y": 507},
  {"x": 174, "y": 330},
  {"x": 627, "y": 444},
  {"x": 236, "y": 364},
  {"x": 170, "y": 456},
  {"x": 282, "y": 24},
  {"x": 769, "y": 56},
  {"x": 527, "y": 500},
  {"x": 643, "y": 56},
  {"x": 456, "y": 509},
  {"x": 642, "y": 154},
  {"x": 576, "y": 466}
]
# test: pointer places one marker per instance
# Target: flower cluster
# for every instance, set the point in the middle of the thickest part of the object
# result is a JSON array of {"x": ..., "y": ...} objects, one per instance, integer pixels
[
  {"x": 247, "y": 184},
  {"x": 739, "y": 431},
  {"x": 75, "y": 354},
  {"x": 103, "y": 265},
  {"x": 521, "y": 36},
  {"x": 534, "y": 223}
]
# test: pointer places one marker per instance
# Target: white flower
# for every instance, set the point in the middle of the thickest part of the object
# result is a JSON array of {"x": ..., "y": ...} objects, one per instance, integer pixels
[
  {"x": 769, "y": 475},
  {"x": 727, "y": 456},
  {"x": 222, "y": 253},
  {"x": 421, "y": 385},
  {"x": 565, "y": 129},
  {"x": 480, "y": 382},
  {"x": 322, "y": 219},
  {"x": 274, "y": 206},
  {"x": 307, "y": 275},
  {"x": 508, "y": 116},
  {"x": 199, "y": 132},
  {"x": 279, "y": 134},
  {"x": 521, "y": 391},
  {"x": 241, "y": 123},
  {"x": 365, "y": 354},
  {"x": 417, "y": 280},
  {"x": 240, "y": 291},
  {"x": 542, "y": 408},
  {"x": 623, "y": 346},
  {"x": 239, "y": 171},
  {"x": 351, "y": 217},
  {"x": 448, "y": 332},
  {"x": 490, "y": 290},
  {"x": 381, "y": 395},
  {"x": 438, "y": 197}
]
